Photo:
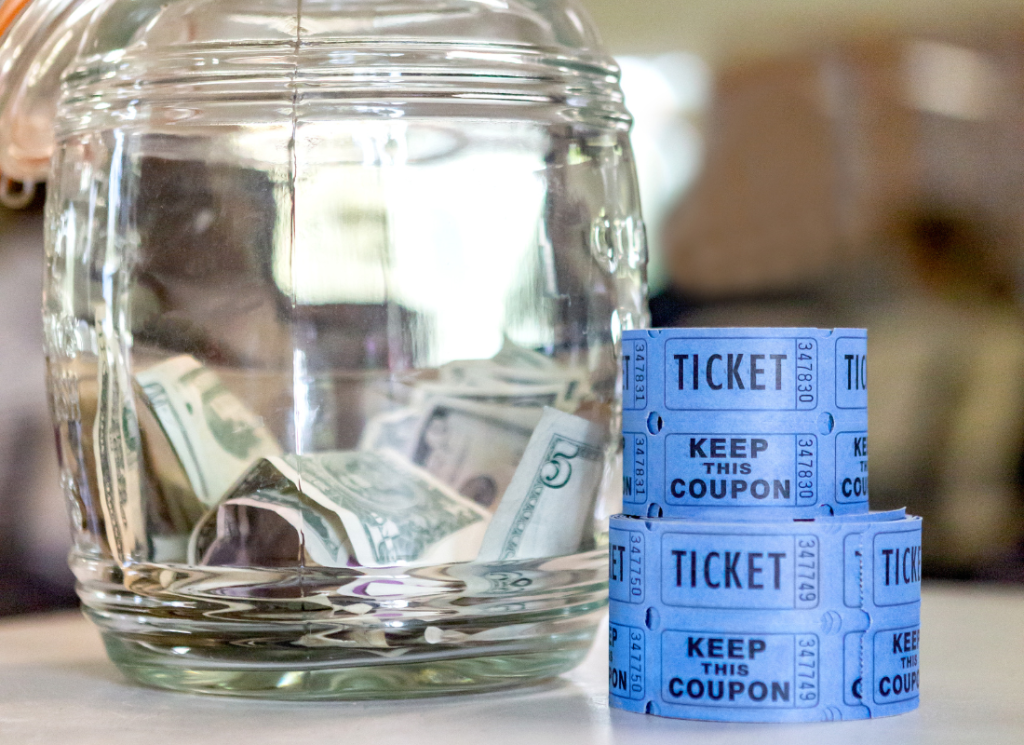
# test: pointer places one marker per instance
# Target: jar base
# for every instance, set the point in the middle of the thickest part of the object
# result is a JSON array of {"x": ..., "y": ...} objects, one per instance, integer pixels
[
  {"x": 273, "y": 634},
  {"x": 165, "y": 668}
]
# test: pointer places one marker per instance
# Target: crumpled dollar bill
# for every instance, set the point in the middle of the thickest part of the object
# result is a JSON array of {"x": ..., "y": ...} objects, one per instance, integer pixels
[
  {"x": 361, "y": 508},
  {"x": 378, "y": 509},
  {"x": 474, "y": 448},
  {"x": 215, "y": 436},
  {"x": 482, "y": 463},
  {"x": 548, "y": 507},
  {"x": 471, "y": 426},
  {"x": 117, "y": 447}
]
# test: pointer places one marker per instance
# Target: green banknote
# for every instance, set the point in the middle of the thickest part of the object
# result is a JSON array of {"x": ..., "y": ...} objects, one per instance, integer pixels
[
  {"x": 116, "y": 448},
  {"x": 215, "y": 436},
  {"x": 548, "y": 506},
  {"x": 379, "y": 509},
  {"x": 469, "y": 425},
  {"x": 269, "y": 528}
]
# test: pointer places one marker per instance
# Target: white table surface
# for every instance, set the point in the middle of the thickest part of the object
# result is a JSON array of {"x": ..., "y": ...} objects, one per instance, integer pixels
[{"x": 56, "y": 686}]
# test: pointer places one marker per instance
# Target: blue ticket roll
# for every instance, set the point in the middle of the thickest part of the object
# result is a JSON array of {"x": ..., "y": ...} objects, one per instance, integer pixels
[
  {"x": 765, "y": 621},
  {"x": 755, "y": 423}
]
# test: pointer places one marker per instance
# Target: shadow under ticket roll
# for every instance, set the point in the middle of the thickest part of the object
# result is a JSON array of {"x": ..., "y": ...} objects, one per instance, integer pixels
[
  {"x": 745, "y": 423},
  {"x": 775, "y": 621}
]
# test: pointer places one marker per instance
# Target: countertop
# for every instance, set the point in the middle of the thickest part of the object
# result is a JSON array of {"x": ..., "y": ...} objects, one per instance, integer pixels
[{"x": 57, "y": 686}]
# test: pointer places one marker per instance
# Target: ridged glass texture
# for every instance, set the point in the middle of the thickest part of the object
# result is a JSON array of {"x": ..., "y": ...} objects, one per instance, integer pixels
[{"x": 325, "y": 203}]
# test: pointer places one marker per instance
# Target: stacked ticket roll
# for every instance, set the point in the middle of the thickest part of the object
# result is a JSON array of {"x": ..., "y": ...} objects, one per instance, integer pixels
[{"x": 748, "y": 579}]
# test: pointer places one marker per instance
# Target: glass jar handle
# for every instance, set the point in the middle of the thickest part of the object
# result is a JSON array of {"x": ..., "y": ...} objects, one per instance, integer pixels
[{"x": 38, "y": 40}]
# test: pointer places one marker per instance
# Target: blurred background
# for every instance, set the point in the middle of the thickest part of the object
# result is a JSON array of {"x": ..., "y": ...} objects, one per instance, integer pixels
[{"x": 801, "y": 162}]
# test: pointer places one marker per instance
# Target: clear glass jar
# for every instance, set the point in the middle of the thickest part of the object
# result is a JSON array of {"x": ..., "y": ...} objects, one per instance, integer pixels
[{"x": 332, "y": 301}]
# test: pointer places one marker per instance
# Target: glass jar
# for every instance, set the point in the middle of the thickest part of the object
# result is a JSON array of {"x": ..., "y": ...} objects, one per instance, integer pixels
[{"x": 332, "y": 301}]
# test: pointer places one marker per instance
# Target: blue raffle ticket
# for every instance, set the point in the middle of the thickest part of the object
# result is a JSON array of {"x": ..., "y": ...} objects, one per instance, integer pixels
[
  {"x": 758, "y": 423},
  {"x": 773, "y": 621}
]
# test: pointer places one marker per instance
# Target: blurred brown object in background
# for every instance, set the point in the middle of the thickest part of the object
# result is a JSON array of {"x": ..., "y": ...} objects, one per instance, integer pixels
[
  {"x": 815, "y": 159},
  {"x": 947, "y": 396},
  {"x": 876, "y": 182},
  {"x": 34, "y": 534},
  {"x": 762, "y": 216}
]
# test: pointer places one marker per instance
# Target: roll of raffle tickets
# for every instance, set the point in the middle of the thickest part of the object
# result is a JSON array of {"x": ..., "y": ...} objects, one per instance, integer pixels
[
  {"x": 761, "y": 423},
  {"x": 748, "y": 580}
]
